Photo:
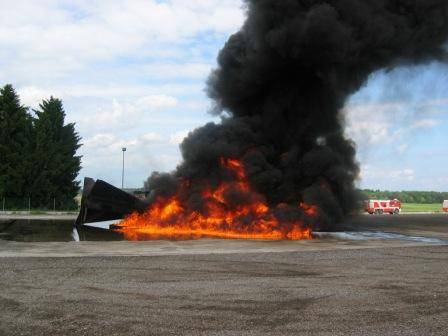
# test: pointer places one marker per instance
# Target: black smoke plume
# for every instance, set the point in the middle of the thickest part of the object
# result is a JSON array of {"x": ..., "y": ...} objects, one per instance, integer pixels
[{"x": 280, "y": 85}]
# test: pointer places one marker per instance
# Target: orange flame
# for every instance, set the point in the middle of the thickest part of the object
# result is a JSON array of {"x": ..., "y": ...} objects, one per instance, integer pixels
[
  {"x": 310, "y": 210},
  {"x": 250, "y": 218}
]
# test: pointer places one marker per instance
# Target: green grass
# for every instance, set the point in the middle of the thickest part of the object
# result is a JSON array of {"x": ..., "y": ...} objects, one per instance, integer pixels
[{"x": 415, "y": 207}]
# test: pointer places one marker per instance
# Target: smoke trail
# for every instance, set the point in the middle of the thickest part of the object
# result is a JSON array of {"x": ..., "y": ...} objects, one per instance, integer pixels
[{"x": 279, "y": 86}]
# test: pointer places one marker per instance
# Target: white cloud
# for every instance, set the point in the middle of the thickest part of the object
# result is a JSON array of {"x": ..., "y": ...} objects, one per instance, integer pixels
[
  {"x": 152, "y": 136},
  {"x": 125, "y": 116},
  {"x": 99, "y": 140},
  {"x": 371, "y": 124},
  {"x": 130, "y": 72},
  {"x": 108, "y": 143},
  {"x": 178, "y": 137},
  {"x": 402, "y": 148},
  {"x": 74, "y": 34},
  {"x": 153, "y": 93},
  {"x": 32, "y": 95},
  {"x": 145, "y": 153},
  {"x": 424, "y": 123},
  {"x": 118, "y": 115},
  {"x": 370, "y": 172},
  {"x": 374, "y": 126},
  {"x": 157, "y": 102},
  {"x": 177, "y": 70},
  {"x": 384, "y": 134}
]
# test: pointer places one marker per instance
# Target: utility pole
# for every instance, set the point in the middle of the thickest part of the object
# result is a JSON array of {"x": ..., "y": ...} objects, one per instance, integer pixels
[{"x": 122, "y": 171}]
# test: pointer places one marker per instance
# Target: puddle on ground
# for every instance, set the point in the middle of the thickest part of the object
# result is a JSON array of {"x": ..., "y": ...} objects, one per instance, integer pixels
[
  {"x": 371, "y": 235},
  {"x": 30, "y": 230},
  {"x": 64, "y": 231}
]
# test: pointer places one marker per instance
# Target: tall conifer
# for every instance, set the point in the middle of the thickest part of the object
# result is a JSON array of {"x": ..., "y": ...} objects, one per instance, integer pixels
[
  {"x": 56, "y": 162},
  {"x": 15, "y": 147}
]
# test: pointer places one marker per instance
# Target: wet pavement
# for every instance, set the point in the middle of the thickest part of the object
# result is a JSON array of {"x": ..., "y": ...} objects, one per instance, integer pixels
[
  {"x": 53, "y": 230},
  {"x": 52, "y": 238}
]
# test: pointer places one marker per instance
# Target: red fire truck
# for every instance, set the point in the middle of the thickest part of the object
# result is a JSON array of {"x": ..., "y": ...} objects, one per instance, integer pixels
[
  {"x": 379, "y": 207},
  {"x": 445, "y": 206}
]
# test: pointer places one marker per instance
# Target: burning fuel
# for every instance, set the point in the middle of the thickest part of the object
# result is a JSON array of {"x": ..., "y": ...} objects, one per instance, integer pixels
[
  {"x": 230, "y": 209},
  {"x": 279, "y": 164}
]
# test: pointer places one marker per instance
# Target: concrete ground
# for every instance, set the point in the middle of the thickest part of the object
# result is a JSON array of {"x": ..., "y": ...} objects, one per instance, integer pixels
[
  {"x": 10, "y": 215},
  {"x": 228, "y": 287}
]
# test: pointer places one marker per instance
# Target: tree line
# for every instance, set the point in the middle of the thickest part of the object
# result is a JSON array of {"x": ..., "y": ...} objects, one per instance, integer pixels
[
  {"x": 38, "y": 158},
  {"x": 422, "y": 197}
]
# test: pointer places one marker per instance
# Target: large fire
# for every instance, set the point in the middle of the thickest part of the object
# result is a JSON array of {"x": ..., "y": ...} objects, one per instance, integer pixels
[{"x": 221, "y": 216}]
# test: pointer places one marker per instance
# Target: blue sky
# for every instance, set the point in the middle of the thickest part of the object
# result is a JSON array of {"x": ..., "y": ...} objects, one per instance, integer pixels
[{"x": 132, "y": 73}]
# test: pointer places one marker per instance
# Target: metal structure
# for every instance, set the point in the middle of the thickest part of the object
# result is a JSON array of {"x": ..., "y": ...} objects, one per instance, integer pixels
[
  {"x": 102, "y": 201},
  {"x": 122, "y": 171}
]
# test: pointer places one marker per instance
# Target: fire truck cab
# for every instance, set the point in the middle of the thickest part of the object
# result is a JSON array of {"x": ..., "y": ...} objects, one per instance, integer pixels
[
  {"x": 379, "y": 207},
  {"x": 445, "y": 206}
]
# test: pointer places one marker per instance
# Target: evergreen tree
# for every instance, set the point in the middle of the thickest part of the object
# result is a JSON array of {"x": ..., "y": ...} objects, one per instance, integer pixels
[
  {"x": 15, "y": 134},
  {"x": 56, "y": 163}
]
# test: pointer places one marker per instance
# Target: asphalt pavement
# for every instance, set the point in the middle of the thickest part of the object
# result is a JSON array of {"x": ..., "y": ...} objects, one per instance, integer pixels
[{"x": 254, "y": 288}]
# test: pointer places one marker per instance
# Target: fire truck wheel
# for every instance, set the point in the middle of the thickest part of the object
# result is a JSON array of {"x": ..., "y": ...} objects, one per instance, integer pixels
[{"x": 396, "y": 212}]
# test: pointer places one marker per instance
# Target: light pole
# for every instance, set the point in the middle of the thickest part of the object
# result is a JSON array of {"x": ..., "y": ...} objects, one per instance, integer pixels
[{"x": 122, "y": 171}]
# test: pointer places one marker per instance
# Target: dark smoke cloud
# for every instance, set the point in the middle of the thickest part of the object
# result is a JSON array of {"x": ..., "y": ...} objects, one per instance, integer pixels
[{"x": 280, "y": 84}]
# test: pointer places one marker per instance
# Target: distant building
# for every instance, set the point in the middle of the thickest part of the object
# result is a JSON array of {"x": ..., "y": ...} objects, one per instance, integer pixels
[{"x": 140, "y": 193}]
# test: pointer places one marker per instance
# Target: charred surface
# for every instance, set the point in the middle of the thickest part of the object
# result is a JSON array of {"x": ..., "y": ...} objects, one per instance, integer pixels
[{"x": 102, "y": 201}]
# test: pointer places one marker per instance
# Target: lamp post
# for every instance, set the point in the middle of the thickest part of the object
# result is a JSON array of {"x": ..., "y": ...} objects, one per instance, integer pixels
[{"x": 122, "y": 171}]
